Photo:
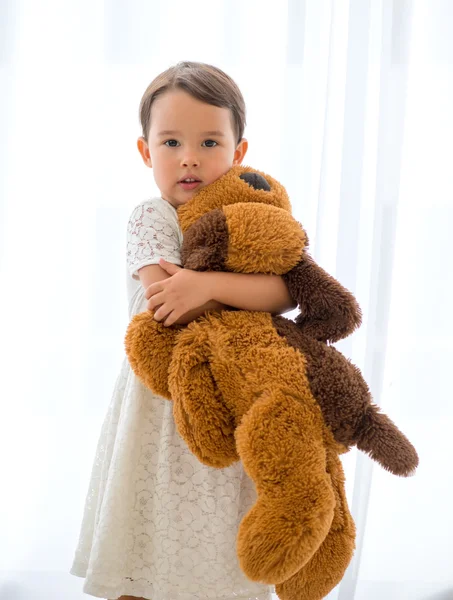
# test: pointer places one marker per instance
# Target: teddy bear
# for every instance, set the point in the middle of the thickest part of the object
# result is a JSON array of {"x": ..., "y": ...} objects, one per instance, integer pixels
[{"x": 270, "y": 391}]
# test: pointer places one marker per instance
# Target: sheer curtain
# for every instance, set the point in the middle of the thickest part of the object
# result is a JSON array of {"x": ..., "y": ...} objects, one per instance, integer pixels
[{"x": 349, "y": 105}]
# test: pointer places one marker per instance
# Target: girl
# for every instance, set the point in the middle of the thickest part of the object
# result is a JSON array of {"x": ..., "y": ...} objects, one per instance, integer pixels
[{"x": 158, "y": 524}]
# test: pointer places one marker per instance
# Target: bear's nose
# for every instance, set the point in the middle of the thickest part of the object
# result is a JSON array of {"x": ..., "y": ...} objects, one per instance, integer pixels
[{"x": 256, "y": 180}]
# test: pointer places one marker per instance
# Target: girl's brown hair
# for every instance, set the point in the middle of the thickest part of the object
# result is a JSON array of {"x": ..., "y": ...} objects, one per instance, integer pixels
[{"x": 202, "y": 81}]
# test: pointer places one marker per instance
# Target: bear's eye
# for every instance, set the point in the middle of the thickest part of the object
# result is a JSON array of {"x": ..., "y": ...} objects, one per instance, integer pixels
[{"x": 256, "y": 181}]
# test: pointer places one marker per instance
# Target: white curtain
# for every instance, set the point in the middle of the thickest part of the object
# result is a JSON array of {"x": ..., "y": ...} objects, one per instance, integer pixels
[{"x": 350, "y": 107}]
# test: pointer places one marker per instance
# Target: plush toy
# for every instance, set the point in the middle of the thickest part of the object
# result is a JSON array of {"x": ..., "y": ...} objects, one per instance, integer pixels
[{"x": 270, "y": 391}]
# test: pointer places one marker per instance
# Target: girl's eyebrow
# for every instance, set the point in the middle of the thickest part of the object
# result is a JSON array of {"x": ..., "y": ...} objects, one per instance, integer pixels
[{"x": 173, "y": 132}]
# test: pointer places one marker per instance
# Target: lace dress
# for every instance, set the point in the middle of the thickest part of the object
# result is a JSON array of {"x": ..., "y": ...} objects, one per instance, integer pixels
[{"x": 157, "y": 523}]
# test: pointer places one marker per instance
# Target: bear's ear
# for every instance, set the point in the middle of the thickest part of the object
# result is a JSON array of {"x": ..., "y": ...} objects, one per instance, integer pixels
[
  {"x": 328, "y": 311},
  {"x": 256, "y": 181},
  {"x": 205, "y": 243},
  {"x": 246, "y": 237}
]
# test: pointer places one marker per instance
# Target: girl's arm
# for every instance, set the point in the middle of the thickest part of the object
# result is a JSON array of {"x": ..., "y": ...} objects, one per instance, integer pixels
[
  {"x": 267, "y": 293},
  {"x": 186, "y": 294},
  {"x": 154, "y": 273}
]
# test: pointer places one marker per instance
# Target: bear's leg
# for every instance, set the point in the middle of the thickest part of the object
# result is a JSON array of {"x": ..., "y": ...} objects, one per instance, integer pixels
[
  {"x": 326, "y": 568},
  {"x": 346, "y": 402},
  {"x": 280, "y": 442},
  {"x": 149, "y": 348},
  {"x": 202, "y": 419}
]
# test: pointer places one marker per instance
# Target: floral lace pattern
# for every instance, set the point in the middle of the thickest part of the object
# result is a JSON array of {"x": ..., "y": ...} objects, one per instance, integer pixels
[
  {"x": 153, "y": 232},
  {"x": 157, "y": 523}
]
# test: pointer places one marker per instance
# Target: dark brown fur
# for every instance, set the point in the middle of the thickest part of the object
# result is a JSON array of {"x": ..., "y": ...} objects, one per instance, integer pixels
[
  {"x": 328, "y": 311},
  {"x": 346, "y": 403},
  {"x": 205, "y": 246}
]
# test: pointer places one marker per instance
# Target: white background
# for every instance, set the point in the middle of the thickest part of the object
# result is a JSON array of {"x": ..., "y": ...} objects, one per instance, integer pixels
[{"x": 350, "y": 107}]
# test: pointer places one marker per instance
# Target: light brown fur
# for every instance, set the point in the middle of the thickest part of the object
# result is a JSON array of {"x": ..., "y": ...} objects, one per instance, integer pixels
[{"x": 268, "y": 391}]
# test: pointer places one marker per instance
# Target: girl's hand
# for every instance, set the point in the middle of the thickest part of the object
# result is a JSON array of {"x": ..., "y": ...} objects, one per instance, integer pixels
[{"x": 177, "y": 295}]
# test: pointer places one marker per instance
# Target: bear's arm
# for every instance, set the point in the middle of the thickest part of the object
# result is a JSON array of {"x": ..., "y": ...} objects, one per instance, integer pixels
[{"x": 328, "y": 311}]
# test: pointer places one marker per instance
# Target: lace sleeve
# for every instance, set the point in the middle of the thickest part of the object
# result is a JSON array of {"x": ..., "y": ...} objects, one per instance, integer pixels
[{"x": 151, "y": 235}]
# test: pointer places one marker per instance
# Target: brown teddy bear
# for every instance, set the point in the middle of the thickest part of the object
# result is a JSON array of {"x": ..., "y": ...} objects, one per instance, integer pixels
[{"x": 269, "y": 391}]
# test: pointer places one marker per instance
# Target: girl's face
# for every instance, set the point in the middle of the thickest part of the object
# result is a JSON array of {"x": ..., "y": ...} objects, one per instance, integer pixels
[{"x": 189, "y": 139}]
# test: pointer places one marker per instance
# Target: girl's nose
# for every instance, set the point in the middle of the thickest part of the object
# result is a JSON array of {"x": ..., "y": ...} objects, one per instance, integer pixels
[{"x": 190, "y": 161}]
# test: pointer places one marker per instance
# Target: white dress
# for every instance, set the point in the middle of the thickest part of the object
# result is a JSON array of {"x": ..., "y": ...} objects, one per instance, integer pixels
[{"x": 157, "y": 523}]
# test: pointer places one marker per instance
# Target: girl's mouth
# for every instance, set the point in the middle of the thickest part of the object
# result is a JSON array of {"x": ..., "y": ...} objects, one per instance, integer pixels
[{"x": 189, "y": 186}]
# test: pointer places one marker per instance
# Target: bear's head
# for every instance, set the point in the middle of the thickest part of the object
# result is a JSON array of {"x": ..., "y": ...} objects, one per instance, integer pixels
[{"x": 241, "y": 223}]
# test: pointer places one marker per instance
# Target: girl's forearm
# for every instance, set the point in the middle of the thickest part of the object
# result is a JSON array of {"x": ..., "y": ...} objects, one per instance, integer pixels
[
  {"x": 266, "y": 293},
  {"x": 211, "y": 306}
]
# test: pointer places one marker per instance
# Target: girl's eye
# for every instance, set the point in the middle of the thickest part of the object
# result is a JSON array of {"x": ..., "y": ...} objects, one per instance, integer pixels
[
  {"x": 214, "y": 143},
  {"x": 175, "y": 143}
]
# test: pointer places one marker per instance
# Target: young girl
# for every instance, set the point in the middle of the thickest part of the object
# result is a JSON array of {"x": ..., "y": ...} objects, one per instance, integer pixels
[{"x": 158, "y": 524}]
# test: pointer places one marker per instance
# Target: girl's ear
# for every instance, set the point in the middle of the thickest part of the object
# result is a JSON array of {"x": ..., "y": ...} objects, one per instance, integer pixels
[
  {"x": 143, "y": 148},
  {"x": 240, "y": 151}
]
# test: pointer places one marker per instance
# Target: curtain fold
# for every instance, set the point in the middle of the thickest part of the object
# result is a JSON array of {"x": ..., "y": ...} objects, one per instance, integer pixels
[
  {"x": 349, "y": 105},
  {"x": 384, "y": 31}
]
